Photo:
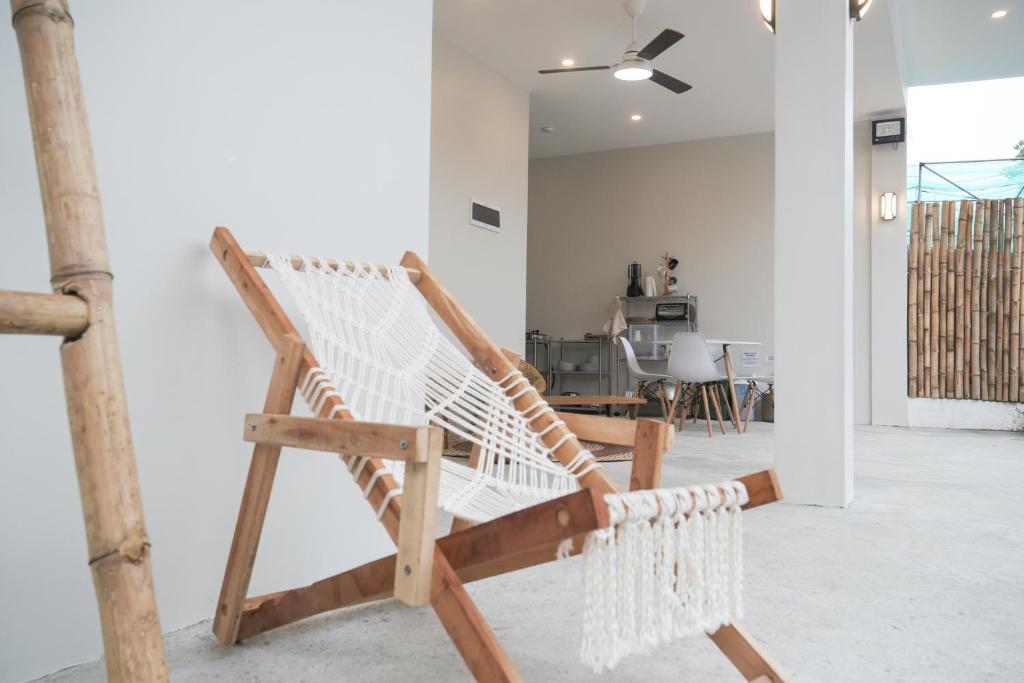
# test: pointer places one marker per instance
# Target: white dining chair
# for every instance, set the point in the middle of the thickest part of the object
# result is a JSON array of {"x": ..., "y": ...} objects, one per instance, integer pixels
[
  {"x": 691, "y": 365},
  {"x": 664, "y": 385}
]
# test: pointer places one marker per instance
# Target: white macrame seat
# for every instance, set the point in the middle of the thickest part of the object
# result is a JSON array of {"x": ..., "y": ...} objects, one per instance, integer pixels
[{"x": 670, "y": 563}]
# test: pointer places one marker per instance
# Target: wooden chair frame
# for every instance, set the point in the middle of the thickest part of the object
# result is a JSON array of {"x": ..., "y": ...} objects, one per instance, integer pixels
[{"x": 522, "y": 539}]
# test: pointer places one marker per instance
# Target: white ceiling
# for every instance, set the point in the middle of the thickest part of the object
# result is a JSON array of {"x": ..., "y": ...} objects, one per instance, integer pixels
[
  {"x": 947, "y": 41},
  {"x": 727, "y": 55}
]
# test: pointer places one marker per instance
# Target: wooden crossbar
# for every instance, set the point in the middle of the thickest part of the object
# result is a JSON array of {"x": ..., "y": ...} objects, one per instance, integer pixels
[
  {"x": 259, "y": 260},
  {"x": 63, "y": 315},
  {"x": 516, "y": 541}
]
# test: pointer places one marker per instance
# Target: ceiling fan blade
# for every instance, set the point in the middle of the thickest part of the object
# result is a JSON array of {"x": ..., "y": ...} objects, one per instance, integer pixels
[
  {"x": 666, "y": 81},
  {"x": 662, "y": 42},
  {"x": 573, "y": 68}
]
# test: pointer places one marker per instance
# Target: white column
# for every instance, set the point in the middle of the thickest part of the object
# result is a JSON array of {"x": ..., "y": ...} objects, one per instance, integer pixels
[
  {"x": 889, "y": 402},
  {"x": 813, "y": 251}
]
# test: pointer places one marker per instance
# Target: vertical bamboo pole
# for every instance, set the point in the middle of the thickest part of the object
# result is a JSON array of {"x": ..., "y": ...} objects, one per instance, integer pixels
[
  {"x": 943, "y": 248},
  {"x": 991, "y": 216},
  {"x": 922, "y": 304},
  {"x": 931, "y": 368},
  {"x": 977, "y": 219},
  {"x": 108, "y": 481},
  {"x": 982, "y": 215},
  {"x": 933, "y": 346},
  {"x": 1001, "y": 305},
  {"x": 968, "y": 248},
  {"x": 950, "y": 275},
  {"x": 1015, "y": 285},
  {"x": 958, "y": 302},
  {"x": 912, "y": 275},
  {"x": 1008, "y": 235}
]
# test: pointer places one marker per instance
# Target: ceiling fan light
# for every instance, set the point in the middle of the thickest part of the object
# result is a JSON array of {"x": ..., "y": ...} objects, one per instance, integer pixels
[
  {"x": 633, "y": 70},
  {"x": 768, "y": 14},
  {"x": 858, "y": 8}
]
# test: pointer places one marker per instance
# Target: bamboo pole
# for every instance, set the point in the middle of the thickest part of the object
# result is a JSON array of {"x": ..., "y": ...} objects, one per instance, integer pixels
[
  {"x": 943, "y": 249},
  {"x": 32, "y": 313},
  {"x": 923, "y": 305},
  {"x": 950, "y": 275},
  {"x": 1000, "y": 329},
  {"x": 936, "y": 325},
  {"x": 1019, "y": 250},
  {"x": 991, "y": 215},
  {"x": 118, "y": 545},
  {"x": 959, "y": 327},
  {"x": 912, "y": 258},
  {"x": 975, "y": 265},
  {"x": 968, "y": 208},
  {"x": 1015, "y": 286},
  {"x": 982, "y": 215}
]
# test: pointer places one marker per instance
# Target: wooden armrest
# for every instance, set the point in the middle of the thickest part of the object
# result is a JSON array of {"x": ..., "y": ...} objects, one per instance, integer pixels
[
  {"x": 613, "y": 430},
  {"x": 351, "y": 437}
]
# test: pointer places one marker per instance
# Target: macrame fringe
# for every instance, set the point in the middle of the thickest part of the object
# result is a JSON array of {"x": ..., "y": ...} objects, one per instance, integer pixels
[{"x": 668, "y": 566}]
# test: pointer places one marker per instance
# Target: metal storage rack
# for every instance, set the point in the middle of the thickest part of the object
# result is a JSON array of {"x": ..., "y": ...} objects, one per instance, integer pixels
[
  {"x": 601, "y": 375},
  {"x": 649, "y": 337},
  {"x": 535, "y": 343}
]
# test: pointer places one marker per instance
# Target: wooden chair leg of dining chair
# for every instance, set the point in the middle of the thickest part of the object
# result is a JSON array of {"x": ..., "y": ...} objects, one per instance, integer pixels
[
  {"x": 670, "y": 418},
  {"x": 707, "y": 408},
  {"x": 718, "y": 407},
  {"x": 723, "y": 399},
  {"x": 690, "y": 392},
  {"x": 752, "y": 396}
]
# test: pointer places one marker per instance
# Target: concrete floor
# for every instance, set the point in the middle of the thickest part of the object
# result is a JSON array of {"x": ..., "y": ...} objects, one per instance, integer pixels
[{"x": 920, "y": 579}]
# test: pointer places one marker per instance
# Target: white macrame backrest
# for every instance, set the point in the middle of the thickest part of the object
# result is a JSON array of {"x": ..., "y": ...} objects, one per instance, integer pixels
[{"x": 387, "y": 359}]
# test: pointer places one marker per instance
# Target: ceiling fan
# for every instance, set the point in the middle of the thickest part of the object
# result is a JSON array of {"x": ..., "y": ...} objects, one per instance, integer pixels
[{"x": 636, "y": 62}]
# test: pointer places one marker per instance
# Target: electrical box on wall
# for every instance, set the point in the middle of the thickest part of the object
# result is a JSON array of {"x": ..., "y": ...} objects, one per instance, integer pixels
[
  {"x": 484, "y": 216},
  {"x": 888, "y": 130}
]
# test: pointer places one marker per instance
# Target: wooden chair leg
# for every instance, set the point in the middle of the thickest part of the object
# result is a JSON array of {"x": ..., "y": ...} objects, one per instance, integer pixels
[
  {"x": 718, "y": 407},
  {"x": 662, "y": 400},
  {"x": 707, "y": 408},
  {"x": 417, "y": 526},
  {"x": 651, "y": 442},
  {"x": 671, "y": 416},
  {"x": 723, "y": 399},
  {"x": 752, "y": 394},
  {"x": 746, "y": 654},
  {"x": 458, "y": 524},
  {"x": 253, "y": 510},
  {"x": 474, "y": 639}
]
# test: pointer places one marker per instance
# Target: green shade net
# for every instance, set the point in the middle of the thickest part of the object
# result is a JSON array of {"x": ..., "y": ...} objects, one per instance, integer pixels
[{"x": 953, "y": 180}]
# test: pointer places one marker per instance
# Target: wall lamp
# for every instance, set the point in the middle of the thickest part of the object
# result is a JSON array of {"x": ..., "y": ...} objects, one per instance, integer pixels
[
  {"x": 887, "y": 207},
  {"x": 858, "y": 8}
]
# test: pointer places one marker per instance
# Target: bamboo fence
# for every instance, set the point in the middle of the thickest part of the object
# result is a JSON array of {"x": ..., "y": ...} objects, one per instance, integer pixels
[{"x": 964, "y": 317}]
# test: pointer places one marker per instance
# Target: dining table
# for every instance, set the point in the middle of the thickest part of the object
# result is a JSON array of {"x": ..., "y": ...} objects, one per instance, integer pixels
[{"x": 730, "y": 375}]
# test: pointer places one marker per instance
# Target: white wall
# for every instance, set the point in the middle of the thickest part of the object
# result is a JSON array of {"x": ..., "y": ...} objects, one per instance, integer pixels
[
  {"x": 232, "y": 113},
  {"x": 708, "y": 202},
  {"x": 889, "y": 287},
  {"x": 862, "y": 213},
  {"x": 480, "y": 131}
]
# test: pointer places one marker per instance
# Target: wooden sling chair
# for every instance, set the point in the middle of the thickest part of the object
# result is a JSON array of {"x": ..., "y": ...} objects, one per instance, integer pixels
[{"x": 424, "y": 570}]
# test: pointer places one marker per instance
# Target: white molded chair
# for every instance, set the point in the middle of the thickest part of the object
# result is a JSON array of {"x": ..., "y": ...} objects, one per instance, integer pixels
[
  {"x": 690, "y": 363},
  {"x": 664, "y": 385}
]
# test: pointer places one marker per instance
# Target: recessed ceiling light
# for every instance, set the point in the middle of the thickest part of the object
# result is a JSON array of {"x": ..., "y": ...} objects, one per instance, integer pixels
[
  {"x": 635, "y": 117},
  {"x": 999, "y": 14},
  {"x": 568, "y": 61}
]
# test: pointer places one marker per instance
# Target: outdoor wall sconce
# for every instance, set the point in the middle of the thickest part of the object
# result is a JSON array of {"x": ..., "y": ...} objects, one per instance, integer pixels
[
  {"x": 888, "y": 206},
  {"x": 858, "y": 8}
]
